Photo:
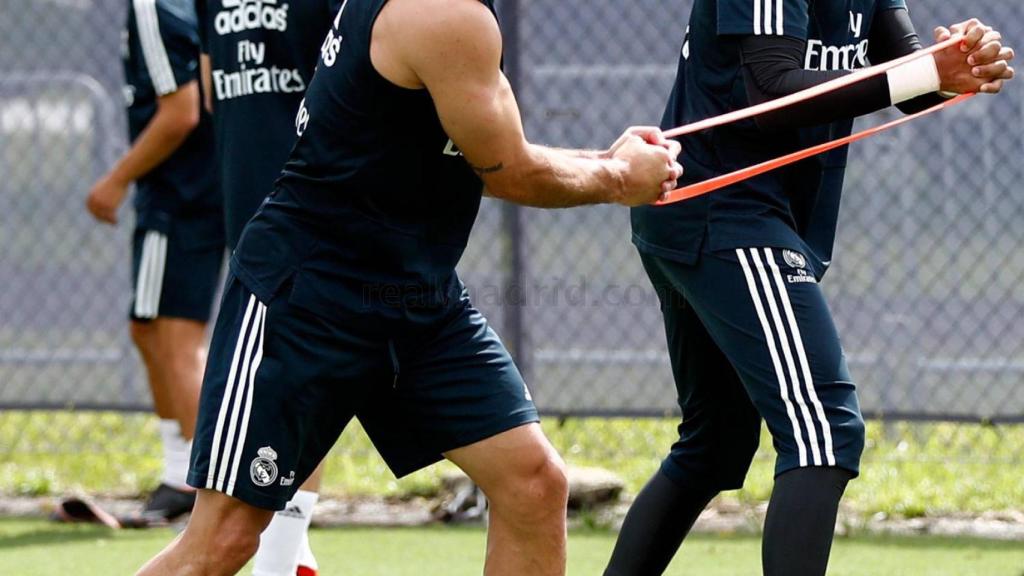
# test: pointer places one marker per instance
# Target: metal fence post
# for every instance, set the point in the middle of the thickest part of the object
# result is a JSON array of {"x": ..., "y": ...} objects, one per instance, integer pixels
[{"x": 514, "y": 289}]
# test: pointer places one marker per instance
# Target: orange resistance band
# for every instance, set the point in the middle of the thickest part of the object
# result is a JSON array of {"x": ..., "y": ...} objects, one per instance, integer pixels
[{"x": 701, "y": 188}]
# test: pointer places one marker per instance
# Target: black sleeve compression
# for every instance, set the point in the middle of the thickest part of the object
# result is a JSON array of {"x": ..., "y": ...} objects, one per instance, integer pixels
[{"x": 773, "y": 67}]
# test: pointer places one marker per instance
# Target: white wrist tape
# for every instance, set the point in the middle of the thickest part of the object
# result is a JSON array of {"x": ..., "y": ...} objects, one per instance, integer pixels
[{"x": 915, "y": 78}]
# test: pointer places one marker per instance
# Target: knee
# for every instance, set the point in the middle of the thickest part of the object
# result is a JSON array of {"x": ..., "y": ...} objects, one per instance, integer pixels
[
  {"x": 229, "y": 544},
  {"x": 547, "y": 486},
  {"x": 539, "y": 490},
  {"x": 716, "y": 466},
  {"x": 236, "y": 544}
]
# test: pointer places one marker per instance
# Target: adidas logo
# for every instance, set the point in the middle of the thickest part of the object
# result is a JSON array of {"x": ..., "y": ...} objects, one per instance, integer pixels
[{"x": 293, "y": 511}]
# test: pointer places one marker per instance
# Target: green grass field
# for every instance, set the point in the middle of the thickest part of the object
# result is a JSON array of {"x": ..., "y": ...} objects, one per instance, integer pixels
[
  {"x": 36, "y": 548},
  {"x": 909, "y": 469}
]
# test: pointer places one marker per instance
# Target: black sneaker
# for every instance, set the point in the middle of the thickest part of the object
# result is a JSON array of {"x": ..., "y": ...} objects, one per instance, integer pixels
[{"x": 165, "y": 505}]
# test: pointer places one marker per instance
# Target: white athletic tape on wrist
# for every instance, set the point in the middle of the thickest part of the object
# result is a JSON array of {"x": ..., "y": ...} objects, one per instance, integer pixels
[{"x": 915, "y": 78}]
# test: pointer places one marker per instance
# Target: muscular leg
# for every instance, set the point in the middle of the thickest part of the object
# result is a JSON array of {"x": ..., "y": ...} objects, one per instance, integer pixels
[
  {"x": 220, "y": 538},
  {"x": 524, "y": 480}
]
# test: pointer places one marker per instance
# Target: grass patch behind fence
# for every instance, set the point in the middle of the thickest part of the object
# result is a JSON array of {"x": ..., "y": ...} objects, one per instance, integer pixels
[{"x": 909, "y": 469}]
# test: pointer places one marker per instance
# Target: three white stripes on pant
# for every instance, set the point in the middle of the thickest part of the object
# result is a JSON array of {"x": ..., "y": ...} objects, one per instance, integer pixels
[
  {"x": 769, "y": 14},
  {"x": 792, "y": 366},
  {"x": 150, "y": 282},
  {"x": 236, "y": 405}
]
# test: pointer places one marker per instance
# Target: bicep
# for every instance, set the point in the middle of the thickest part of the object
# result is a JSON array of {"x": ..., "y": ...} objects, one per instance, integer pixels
[
  {"x": 482, "y": 118},
  {"x": 462, "y": 71}
]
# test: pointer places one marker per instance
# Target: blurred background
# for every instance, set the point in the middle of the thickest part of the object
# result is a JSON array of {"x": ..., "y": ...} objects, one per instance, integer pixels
[{"x": 926, "y": 284}]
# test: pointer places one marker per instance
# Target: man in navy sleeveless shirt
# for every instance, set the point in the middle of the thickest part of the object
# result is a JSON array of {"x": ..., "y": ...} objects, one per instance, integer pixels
[{"x": 343, "y": 299}]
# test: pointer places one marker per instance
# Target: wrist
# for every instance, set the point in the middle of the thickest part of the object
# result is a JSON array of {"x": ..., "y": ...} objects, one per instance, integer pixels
[
  {"x": 915, "y": 78},
  {"x": 617, "y": 170},
  {"x": 116, "y": 178}
]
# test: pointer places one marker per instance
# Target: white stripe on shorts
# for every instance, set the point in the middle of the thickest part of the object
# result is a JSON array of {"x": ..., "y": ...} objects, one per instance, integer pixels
[
  {"x": 801, "y": 353},
  {"x": 787, "y": 353},
  {"x": 773, "y": 352},
  {"x": 230, "y": 441},
  {"x": 142, "y": 277},
  {"x": 229, "y": 387},
  {"x": 248, "y": 402},
  {"x": 156, "y": 286},
  {"x": 150, "y": 281}
]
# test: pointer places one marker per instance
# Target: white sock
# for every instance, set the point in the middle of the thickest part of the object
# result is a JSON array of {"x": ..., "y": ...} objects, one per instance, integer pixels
[
  {"x": 306, "y": 557},
  {"x": 177, "y": 452},
  {"x": 281, "y": 544}
]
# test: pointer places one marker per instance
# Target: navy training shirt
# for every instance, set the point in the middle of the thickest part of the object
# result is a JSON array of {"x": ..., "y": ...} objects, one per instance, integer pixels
[
  {"x": 796, "y": 207},
  {"x": 375, "y": 204},
  {"x": 160, "y": 53},
  {"x": 262, "y": 54}
]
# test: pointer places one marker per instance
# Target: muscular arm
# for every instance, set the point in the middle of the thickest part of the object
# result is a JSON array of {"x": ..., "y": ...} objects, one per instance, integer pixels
[
  {"x": 177, "y": 114},
  {"x": 452, "y": 48}
]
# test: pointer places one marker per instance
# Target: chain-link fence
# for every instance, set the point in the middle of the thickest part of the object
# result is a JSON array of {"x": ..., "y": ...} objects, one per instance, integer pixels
[{"x": 925, "y": 286}]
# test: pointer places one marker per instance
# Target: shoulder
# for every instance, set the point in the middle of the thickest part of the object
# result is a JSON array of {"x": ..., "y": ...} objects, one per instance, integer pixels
[
  {"x": 172, "y": 16},
  {"x": 441, "y": 22},
  {"x": 424, "y": 42}
]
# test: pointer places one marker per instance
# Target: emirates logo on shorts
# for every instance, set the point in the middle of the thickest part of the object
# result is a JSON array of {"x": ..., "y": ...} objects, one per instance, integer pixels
[{"x": 263, "y": 469}]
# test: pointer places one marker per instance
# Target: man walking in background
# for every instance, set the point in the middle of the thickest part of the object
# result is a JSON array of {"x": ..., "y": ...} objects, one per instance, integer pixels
[
  {"x": 178, "y": 243},
  {"x": 255, "y": 73}
]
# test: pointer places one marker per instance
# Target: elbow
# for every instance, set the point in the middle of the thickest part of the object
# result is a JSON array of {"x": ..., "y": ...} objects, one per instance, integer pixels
[
  {"x": 177, "y": 118},
  {"x": 188, "y": 121},
  {"x": 502, "y": 189}
]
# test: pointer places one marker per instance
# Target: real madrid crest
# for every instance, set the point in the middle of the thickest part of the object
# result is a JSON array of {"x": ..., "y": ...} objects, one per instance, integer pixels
[
  {"x": 794, "y": 259},
  {"x": 263, "y": 469}
]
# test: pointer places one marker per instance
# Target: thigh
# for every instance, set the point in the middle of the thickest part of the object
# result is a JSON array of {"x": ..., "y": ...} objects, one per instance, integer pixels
[
  {"x": 280, "y": 386},
  {"x": 767, "y": 314},
  {"x": 453, "y": 387},
  {"x": 720, "y": 426}
]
